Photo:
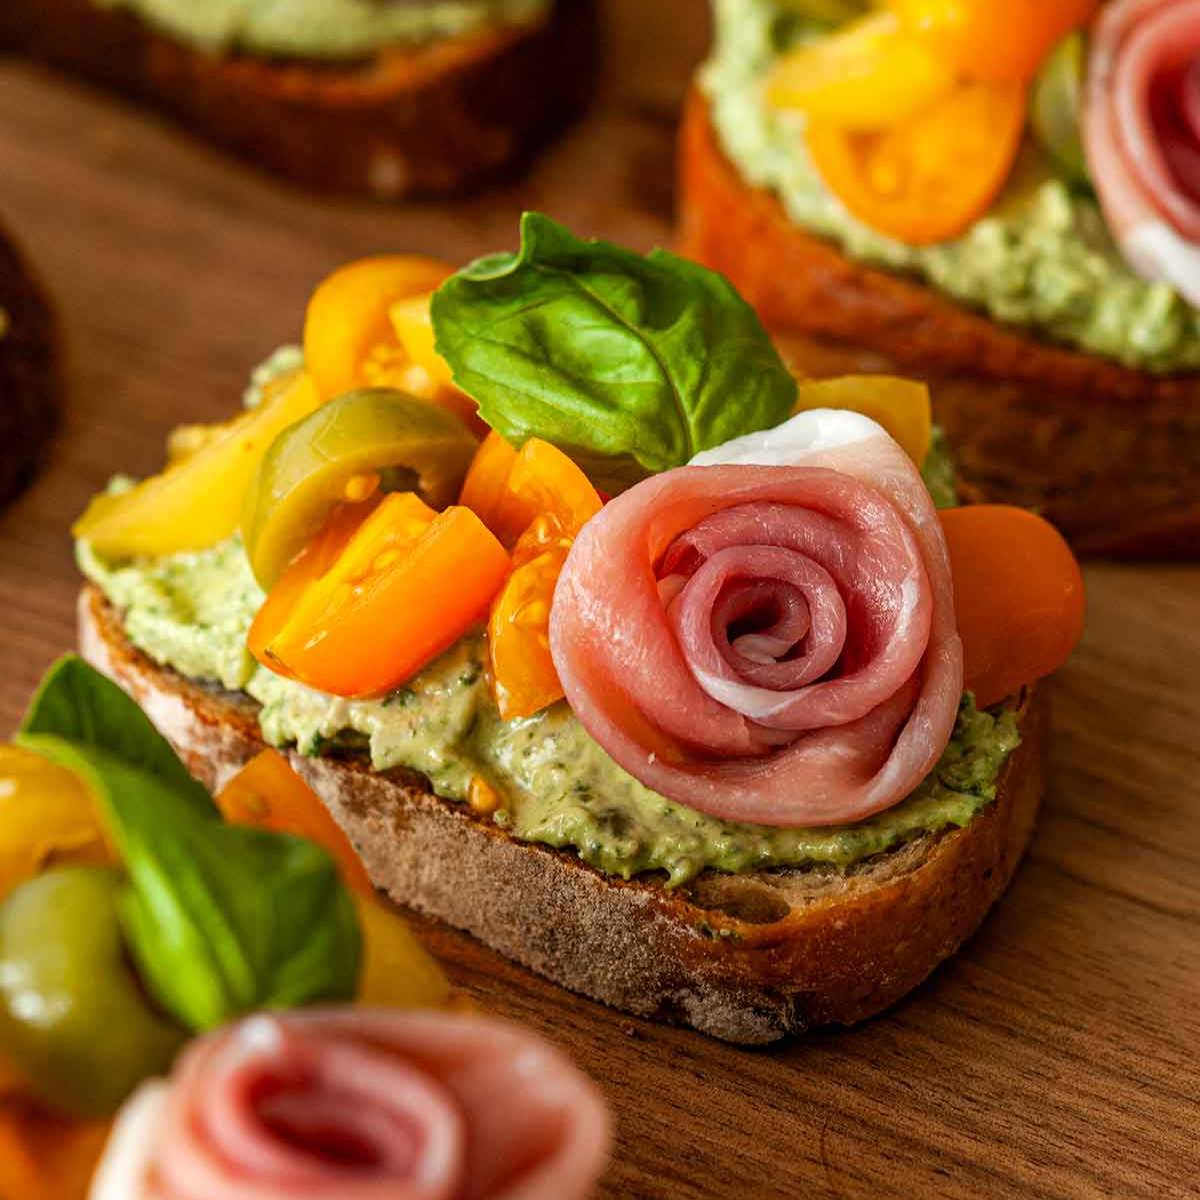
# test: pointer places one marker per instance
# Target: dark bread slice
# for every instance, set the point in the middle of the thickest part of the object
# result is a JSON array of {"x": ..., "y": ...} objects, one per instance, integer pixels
[
  {"x": 748, "y": 958},
  {"x": 29, "y": 383},
  {"x": 1109, "y": 454},
  {"x": 428, "y": 120}
]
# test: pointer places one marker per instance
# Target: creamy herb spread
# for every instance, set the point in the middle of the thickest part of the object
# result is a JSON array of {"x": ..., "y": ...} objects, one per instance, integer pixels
[
  {"x": 1041, "y": 259},
  {"x": 559, "y": 788},
  {"x": 323, "y": 29}
]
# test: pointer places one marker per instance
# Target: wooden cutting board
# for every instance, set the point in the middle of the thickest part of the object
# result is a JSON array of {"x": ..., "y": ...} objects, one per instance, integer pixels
[{"x": 1057, "y": 1055}]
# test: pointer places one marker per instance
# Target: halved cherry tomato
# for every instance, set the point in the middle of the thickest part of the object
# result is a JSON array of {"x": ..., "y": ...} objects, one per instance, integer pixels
[
  {"x": 901, "y": 406},
  {"x": 409, "y": 583},
  {"x": 1018, "y": 593},
  {"x": 486, "y": 491},
  {"x": 197, "y": 501},
  {"x": 870, "y": 75},
  {"x": 309, "y": 565},
  {"x": 47, "y": 818},
  {"x": 929, "y": 179},
  {"x": 268, "y": 794},
  {"x": 545, "y": 481},
  {"x": 368, "y": 325},
  {"x": 1002, "y": 41},
  {"x": 349, "y": 341}
]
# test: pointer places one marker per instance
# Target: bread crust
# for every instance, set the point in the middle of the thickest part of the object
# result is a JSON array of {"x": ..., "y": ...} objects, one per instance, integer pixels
[
  {"x": 29, "y": 383},
  {"x": 748, "y": 959},
  {"x": 425, "y": 121},
  {"x": 1110, "y": 454}
]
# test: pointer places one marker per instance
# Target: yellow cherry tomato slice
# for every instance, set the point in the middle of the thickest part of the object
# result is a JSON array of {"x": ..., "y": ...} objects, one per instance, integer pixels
[
  {"x": 999, "y": 41},
  {"x": 47, "y": 818},
  {"x": 349, "y": 341},
  {"x": 1018, "y": 594},
  {"x": 197, "y": 502},
  {"x": 901, "y": 406},
  {"x": 397, "y": 971},
  {"x": 929, "y": 179},
  {"x": 870, "y": 75}
]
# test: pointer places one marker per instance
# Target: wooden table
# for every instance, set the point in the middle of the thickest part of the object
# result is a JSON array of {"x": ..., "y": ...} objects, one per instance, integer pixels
[{"x": 1056, "y": 1056}]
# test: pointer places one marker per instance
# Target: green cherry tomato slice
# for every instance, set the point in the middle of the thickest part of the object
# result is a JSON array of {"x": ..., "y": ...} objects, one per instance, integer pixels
[
  {"x": 341, "y": 453},
  {"x": 73, "y": 1018}
]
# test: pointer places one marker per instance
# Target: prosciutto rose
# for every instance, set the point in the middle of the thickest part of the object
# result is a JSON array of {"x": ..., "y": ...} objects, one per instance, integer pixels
[
  {"x": 768, "y": 635},
  {"x": 359, "y": 1105},
  {"x": 1141, "y": 127}
]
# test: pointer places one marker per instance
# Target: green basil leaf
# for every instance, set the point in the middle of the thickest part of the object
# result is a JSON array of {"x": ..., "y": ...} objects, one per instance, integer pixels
[
  {"x": 77, "y": 703},
  {"x": 221, "y": 920},
  {"x": 631, "y": 364}
]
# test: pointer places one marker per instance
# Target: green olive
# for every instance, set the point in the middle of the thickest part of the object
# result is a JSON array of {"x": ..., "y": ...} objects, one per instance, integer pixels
[
  {"x": 317, "y": 463},
  {"x": 73, "y": 1018},
  {"x": 1057, "y": 97}
]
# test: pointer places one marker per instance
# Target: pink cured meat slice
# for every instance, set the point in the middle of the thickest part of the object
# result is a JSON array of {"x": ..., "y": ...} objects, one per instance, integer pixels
[
  {"x": 843, "y": 556},
  {"x": 370, "y": 1105},
  {"x": 1141, "y": 145}
]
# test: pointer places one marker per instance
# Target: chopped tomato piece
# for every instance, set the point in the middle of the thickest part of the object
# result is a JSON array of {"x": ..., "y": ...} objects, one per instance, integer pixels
[
  {"x": 409, "y": 583},
  {"x": 1018, "y": 593},
  {"x": 397, "y": 971},
  {"x": 929, "y": 179},
  {"x": 871, "y": 75},
  {"x": 901, "y": 406},
  {"x": 984, "y": 39},
  {"x": 544, "y": 481},
  {"x": 268, "y": 794},
  {"x": 488, "y": 494}
]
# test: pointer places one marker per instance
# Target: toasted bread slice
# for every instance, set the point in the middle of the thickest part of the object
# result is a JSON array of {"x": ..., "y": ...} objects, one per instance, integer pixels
[
  {"x": 748, "y": 958},
  {"x": 1109, "y": 454},
  {"x": 29, "y": 393},
  {"x": 427, "y": 120}
]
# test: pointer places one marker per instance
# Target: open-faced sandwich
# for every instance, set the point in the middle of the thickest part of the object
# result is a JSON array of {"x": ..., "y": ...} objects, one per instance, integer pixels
[
  {"x": 29, "y": 399},
  {"x": 1000, "y": 198},
  {"x": 222, "y": 978},
  {"x": 676, "y": 687},
  {"x": 393, "y": 98}
]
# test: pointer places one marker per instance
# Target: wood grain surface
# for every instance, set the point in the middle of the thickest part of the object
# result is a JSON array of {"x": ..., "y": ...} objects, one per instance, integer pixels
[{"x": 1056, "y": 1056}]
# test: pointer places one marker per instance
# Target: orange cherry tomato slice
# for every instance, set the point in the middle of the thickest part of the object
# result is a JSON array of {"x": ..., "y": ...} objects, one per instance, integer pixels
[
  {"x": 486, "y": 491},
  {"x": 1001, "y": 41},
  {"x": 1018, "y": 593},
  {"x": 268, "y": 794},
  {"x": 542, "y": 480},
  {"x": 44, "y": 1156},
  {"x": 306, "y": 568},
  {"x": 929, "y": 179},
  {"x": 409, "y": 583}
]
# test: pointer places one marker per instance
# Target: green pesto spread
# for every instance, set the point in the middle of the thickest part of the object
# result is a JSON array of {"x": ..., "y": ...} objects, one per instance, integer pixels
[
  {"x": 558, "y": 787},
  {"x": 1042, "y": 258},
  {"x": 323, "y": 29}
]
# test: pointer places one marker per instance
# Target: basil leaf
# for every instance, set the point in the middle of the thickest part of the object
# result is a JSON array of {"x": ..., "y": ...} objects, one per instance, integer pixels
[
  {"x": 630, "y": 364},
  {"x": 221, "y": 920},
  {"x": 77, "y": 703}
]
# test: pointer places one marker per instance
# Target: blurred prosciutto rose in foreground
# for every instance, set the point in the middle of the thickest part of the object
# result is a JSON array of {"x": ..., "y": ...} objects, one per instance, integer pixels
[{"x": 361, "y": 1105}]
